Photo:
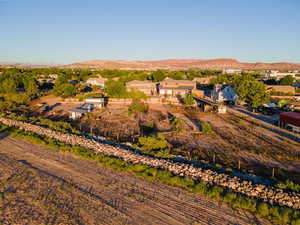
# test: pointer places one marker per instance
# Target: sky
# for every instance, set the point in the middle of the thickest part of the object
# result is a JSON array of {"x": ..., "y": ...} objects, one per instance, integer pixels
[{"x": 67, "y": 31}]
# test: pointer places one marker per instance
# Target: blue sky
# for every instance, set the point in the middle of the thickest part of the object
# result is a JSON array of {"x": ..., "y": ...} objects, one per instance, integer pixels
[{"x": 65, "y": 31}]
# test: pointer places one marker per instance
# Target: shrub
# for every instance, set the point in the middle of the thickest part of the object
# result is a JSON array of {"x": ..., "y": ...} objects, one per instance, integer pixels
[
  {"x": 230, "y": 197},
  {"x": 137, "y": 106},
  {"x": 263, "y": 209},
  {"x": 189, "y": 100},
  {"x": 201, "y": 187},
  {"x": 206, "y": 128},
  {"x": 152, "y": 144},
  {"x": 215, "y": 192}
]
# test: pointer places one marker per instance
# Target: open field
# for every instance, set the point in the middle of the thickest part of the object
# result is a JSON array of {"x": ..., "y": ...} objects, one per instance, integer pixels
[
  {"x": 236, "y": 138},
  {"x": 103, "y": 195}
]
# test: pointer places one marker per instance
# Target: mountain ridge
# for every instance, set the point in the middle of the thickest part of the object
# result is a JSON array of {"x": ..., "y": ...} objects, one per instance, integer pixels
[{"x": 173, "y": 64}]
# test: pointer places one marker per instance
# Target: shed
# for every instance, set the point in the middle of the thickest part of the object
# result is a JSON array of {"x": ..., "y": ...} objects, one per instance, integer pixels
[{"x": 76, "y": 113}]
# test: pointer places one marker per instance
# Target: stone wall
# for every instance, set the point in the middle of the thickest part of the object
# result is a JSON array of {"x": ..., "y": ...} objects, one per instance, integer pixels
[{"x": 236, "y": 184}]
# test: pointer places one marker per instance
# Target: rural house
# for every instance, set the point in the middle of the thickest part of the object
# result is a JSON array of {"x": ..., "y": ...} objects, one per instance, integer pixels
[
  {"x": 224, "y": 93},
  {"x": 96, "y": 102},
  {"x": 170, "y": 87},
  {"x": 146, "y": 86},
  {"x": 96, "y": 81}
]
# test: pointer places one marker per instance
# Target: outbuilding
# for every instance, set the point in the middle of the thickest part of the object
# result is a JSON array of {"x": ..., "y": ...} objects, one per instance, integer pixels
[{"x": 290, "y": 120}]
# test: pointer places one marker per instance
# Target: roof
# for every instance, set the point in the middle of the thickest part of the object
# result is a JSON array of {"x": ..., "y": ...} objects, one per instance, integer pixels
[
  {"x": 281, "y": 88},
  {"x": 291, "y": 118},
  {"x": 177, "y": 88},
  {"x": 96, "y": 100},
  {"x": 140, "y": 84},
  {"x": 177, "y": 81},
  {"x": 77, "y": 110},
  {"x": 99, "y": 79}
]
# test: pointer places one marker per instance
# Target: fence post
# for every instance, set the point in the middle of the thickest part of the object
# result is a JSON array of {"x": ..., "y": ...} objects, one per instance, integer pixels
[
  {"x": 239, "y": 164},
  {"x": 214, "y": 158},
  {"x": 273, "y": 172}
]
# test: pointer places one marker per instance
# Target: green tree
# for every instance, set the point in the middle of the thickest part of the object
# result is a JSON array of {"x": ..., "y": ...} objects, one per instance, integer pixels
[
  {"x": 68, "y": 90},
  {"x": 287, "y": 80},
  {"x": 115, "y": 89},
  {"x": 158, "y": 76},
  {"x": 31, "y": 88},
  {"x": 9, "y": 86},
  {"x": 137, "y": 106},
  {"x": 251, "y": 91},
  {"x": 189, "y": 100}
]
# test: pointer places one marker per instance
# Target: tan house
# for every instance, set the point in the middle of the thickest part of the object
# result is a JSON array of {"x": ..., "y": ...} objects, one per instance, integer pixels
[
  {"x": 286, "y": 89},
  {"x": 176, "y": 87},
  {"x": 97, "y": 81},
  {"x": 146, "y": 86}
]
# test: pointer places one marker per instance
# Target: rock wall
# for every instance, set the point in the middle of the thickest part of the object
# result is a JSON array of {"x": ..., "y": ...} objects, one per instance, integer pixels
[{"x": 259, "y": 191}]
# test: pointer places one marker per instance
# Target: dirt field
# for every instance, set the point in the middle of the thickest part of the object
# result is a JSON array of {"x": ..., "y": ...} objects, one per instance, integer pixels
[
  {"x": 39, "y": 184},
  {"x": 258, "y": 148}
]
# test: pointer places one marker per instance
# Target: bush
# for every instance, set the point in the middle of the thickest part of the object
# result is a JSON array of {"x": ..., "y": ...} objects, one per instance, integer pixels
[
  {"x": 263, "y": 209},
  {"x": 206, "y": 128},
  {"x": 230, "y": 197},
  {"x": 137, "y": 106},
  {"x": 215, "y": 192}
]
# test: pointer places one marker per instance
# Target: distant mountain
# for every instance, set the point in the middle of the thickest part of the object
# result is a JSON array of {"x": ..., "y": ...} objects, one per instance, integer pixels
[
  {"x": 174, "y": 64},
  {"x": 32, "y": 65}
]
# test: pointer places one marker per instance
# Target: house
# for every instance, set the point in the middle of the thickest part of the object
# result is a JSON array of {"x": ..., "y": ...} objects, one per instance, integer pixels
[
  {"x": 224, "y": 93},
  {"x": 96, "y": 102},
  {"x": 203, "y": 80},
  {"x": 96, "y": 81},
  {"x": 172, "y": 87},
  {"x": 146, "y": 86},
  {"x": 290, "y": 120},
  {"x": 51, "y": 78},
  {"x": 232, "y": 71},
  {"x": 277, "y": 75},
  {"x": 284, "y": 89}
]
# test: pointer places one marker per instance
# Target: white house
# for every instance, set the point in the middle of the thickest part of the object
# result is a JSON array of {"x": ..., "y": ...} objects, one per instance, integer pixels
[
  {"x": 97, "y": 102},
  {"x": 232, "y": 71},
  {"x": 224, "y": 93},
  {"x": 277, "y": 75},
  {"x": 100, "y": 82}
]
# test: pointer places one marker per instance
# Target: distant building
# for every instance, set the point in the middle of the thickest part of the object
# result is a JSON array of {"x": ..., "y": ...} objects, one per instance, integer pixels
[
  {"x": 100, "y": 82},
  {"x": 232, "y": 71},
  {"x": 224, "y": 93},
  {"x": 51, "y": 78},
  {"x": 278, "y": 75},
  {"x": 176, "y": 87},
  {"x": 146, "y": 86},
  {"x": 285, "y": 89}
]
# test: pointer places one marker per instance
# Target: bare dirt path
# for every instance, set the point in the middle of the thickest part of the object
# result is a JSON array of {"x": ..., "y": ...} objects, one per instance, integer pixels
[{"x": 135, "y": 200}]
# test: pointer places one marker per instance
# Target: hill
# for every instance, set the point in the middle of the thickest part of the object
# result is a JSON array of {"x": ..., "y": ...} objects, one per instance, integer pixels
[{"x": 174, "y": 64}]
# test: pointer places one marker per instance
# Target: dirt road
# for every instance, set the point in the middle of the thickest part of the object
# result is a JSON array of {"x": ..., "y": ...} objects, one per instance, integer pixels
[{"x": 130, "y": 199}]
